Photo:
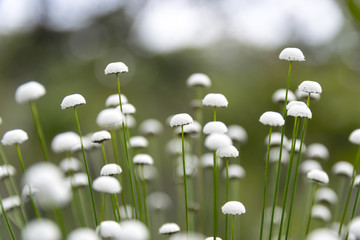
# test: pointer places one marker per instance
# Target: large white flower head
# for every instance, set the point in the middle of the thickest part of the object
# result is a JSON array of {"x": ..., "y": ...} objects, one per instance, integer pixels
[
  {"x": 217, "y": 140},
  {"x": 78, "y": 180},
  {"x": 309, "y": 165},
  {"x": 198, "y": 80},
  {"x": 133, "y": 230},
  {"x": 106, "y": 184},
  {"x": 318, "y": 176},
  {"x": 70, "y": 164},
  {"x": 72, "y": 100},
  {"x": 14, "y": 137},
  {"x": 207, "y": 161},
  {"x": 326, "y": 195},
  {"x": 292, "y": 103},
  {"x": 292, "y": 54},
  {"x": 321, "y": 212},
  {"x": 11, "y": 203},
  {"x": 215, "y": 127},
  {"x": 109, "y": 118},
  {"x": 180, "y": 119},
  {"x": 83, "y": 234},
  {"x": 100, "y": 136},
  {"x": 110, "y": 169},
  {"x": 215, "y": 100},
  {"x": 113, "y": 100},
  {"x": 29, "y": 91},
  {"x": 235, "y": 172},
  {"x": 41, "y": 229},
  {"x": 192, "y": 129},
  {"x": 233, "y": 208},
  {"x": 116, "y": 68},
  {"x": 138, "y": 142},
  {"x": 7, "y": 171},
  {"x": 354, "y": 227},
  {"x": 280, "y": 94},
  {"x": 275, "y": 155},
  {"x": 322, "y": 234},
  {"x": 109, "y": 229},
  {"x": 354, "y": 137},
  {"x": 273, "y": 119},
  {"x": 169, "y": 228},
  {"x": 237, "y": 133},
  {"x": 343, "y": 168},
  {"x": 318, "y": 150},
  {"x": 143, "y": 159},
  {"x": 151, "y": 127},
  {"x": 64, "y": 142},
  {"x": 310, "y": 87},
  {"x": 299, "y": 111},
  {"x": 227, "y": 152},
  {"x": 127, "y": 108},
  {"x": 304, "y": 95}
]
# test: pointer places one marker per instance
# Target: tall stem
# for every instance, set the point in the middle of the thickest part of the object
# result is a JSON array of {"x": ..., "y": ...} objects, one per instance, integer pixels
[
  {"x": 215, "y": 188},
  {"x": 61, "y": 222},
  {"x": 280, "y": 154},
  {"x": 78, "y": 206},
  {"x": 354, "y": 208},
  {"x": 20, "y": 157},
  {"x": 185, "y": 185},
  {"x": 104, "y": 153},
  {"x": 37, "y": 214},
  {"x": 312, "y": 204},
  {"x": 39, "y": 130},
  {"x": 227, "y": 196},
  {"x": 232, "y": 229},
  {"x": 11, "y": 232},
  {"x": 145, "y": 197},
  {"x": 265, "y": 184},
  {"x": 114, "y": 208},
  {"x": 117, "y": 207},
  {"x": 86, "y": 167}
]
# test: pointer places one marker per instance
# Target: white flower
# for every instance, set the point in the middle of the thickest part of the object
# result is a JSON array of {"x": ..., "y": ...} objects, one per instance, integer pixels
[
  {"x": 354, "y": 137},
  {"x": 128, "y": 108},
  {"x": 110, "y": 169},
  {"x": 343, "y": 168},
  {"x": 133, "y": 230},
  {"x": 130, "y": 121},
  {"x": 217, "y": 140},
  {"x": 198, "y": 80},
  {"x": 138, "y": 142},
  {"x": 317, "y": 150},
  {"x": 6, "y": 171},
  {"x": 299, "y": 111},
  {"x": 83, "y": 234},
  {"x": 106, "y": 184},
  {"x": 64, "y": 142},
  {"x": 109, "y": 229},
  {"x": 326, "y": 195},
  {"x": 116, "y": 67},
  {"x": 72, "y": 100},
  {"x": 100, "y": 136},
  {"x": 27, "y": 192},
  {"x": 70, "y": 164},
  {"x": 276, "y": 139},
  {"x": 29, "y": 91},
  {"x": 275, "y": 155},
  {"x": 318, "y": 176},
  {"x": 143, "y": 159},
  {"x": 113, "y": 100},
  {"x": 151, "y": 127},
  {"x": 159, "y": 201},
  {"x": 279, "y": 96},
  {"x": 233, "y": 208},
  {"x": 310, "y": 87},
  {"x": 215, "y": 100},
  {"x": 109, "y": 118},
  {"x": 192, "y": 128},
  {"x": 41, "y": 229},
  {"x": 150, "y": 173},
  {"x": 292, "y": 54},
  {"x": 215, "y": 127},
  {"x": 354, "y": 227},
  {"x": 180, "y": 120},
  {"x": 321, "y": 212},
  {"x": 308, "y": 165},
  {"x": 14, "y": 137},
  {"x": 237, "y": 133},
  {"x": 11, "y": 202},
  {"x": 174, "y": 146},
  {"x": 227, "y": 152},
  {"x": 292, "y": 103},
  {"x": 322, "y": 234},
  {"x": 304, "y": 95},
  {"x": 78, "y": 180},
  {"x": 207, "y": 161},
  {"x": 297, "y": 146},
  {"x": 273, "y": 119},
  {"x": 235, "y": 172},
  {"x": 169, "y": 228}
]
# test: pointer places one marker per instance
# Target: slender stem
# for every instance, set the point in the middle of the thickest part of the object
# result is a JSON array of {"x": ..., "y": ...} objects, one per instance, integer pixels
[
  {"x": 265, "y": 184},
  {"x": 227, "y": 196},
  {"x": 61, "y": 222},
  {"x": 78, "y": 206},
  {"x": 117, "y": 207},
  {"x": 215, "y": 195},
  {"x": 214, "y": 113},
  {"x": 185, "y": 185},
  {"x": 39, "y": 130},
  {"x": 86, "y": 167},
  {"x": 354, "y": 209},
  {"x": 104, "y": 153},
  {"x": 7, "y": 220},
  {"x": 34, "y": 204},
  {"x": 232, "y": 229},
  {"x": 103, "y": 203},
  {"x": 114, "y": 208},
  {"x": 145, "y": 197},
  {"x": 20, "y": 157},
  {"x": 312, "y": 204},
  {"x": 280, "y": 154}
]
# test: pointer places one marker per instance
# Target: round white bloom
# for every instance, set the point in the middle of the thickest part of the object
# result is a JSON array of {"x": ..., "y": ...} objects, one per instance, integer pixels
[
  {"x": 297, "y": 146},
  {"x": 235, "y": 172},
  {"x": 343, "y": 168},
  {"x": 116, "y": 67},
  {"x": 292, "y": 103},
  {"x": 292, "y": 54},
  {"x": 159, "y": 201},
  {"x": 13, "y": 137},
  {"x": 198, "y": 80},
  {"x": 273, "y": 119},
  {"x": 78, "y": 180},
  {"x": 83, "y": 234},
  {"x": 133, "y": 230},
  {"x": 114, "y": 101},
  {"x": 126, "y": 212},
  {"x": 310, "y": 87},
  {"x": 41, "y": 229},
  {"x": 299, "y": 111},
  {"x": 357, "y": 181},
  {"x": 192, "y": 128},
  {"x": 215, "y": 100},
  {"x": 233, "y": 208},
  {"x": 215, "y": 127},
  {"x": 318, "y": 176},
  {"x": 151, "y": 127},
  {"x": 127, "y": 108},
  {"x": 64, "y": 142},
  {"x": 139, "y": 142},
  {"x": 100, "y": 136},
  {"x": 150, "y": 173},
  {"x": 110, "y": 169},
  {"x": 279, "y": 96},
  {"x": 321, "y": 212},
  {"x": 11, "y": 202},
  {"x": 174, "y": 146},
  {"x": 143, "y": 159},
  {"x": 308, "y": 165},
  {"x": 326, "y": 195},
  {"x": 129, "y": 121},
  {"x": 318, "y": 150},
  {"x": 106, "y": 184},
  {"x": 304, "y": 95},
  {"x": 276, "y": 139},
  {"x": 109, "y": 229},
  {"x": 322, "y": 234},
  {"x": 237, "y": 134},
  {"x": 169, "y": 228},
  {"x": 207, "y": 161},
  {"x": 354, "y": 137},
  {"x": 354, "y": 227},
  {"x": 217, "y": 140},
  {"x": 70, "y": 164},
  {"x": 29, "y": 91},
  {"x": 72, "y": 100},
  {"x": 227, "y": 152},
  {"x": 274, "y": 155},
  {"x": 28, "y": 191},
  {"x": 6, "y": 171},
  {"x": 109, "y": 118},
  {"x": 180, "y": 120}
]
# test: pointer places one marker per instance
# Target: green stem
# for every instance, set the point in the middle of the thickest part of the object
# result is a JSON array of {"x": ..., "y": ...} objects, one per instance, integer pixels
[
  {"x": 214, "y": 113},
  {"x": 215, "y": 194},
  {"x": 61, "y": 222},
  {"x": 312, "y": 204},
  {"x": 232, "y": 229},
  {"x": 20, "y": 157},
  {"x": 39, "y": 130},
  {"x": 86, "y": 167},
  {"x": 7, "y": 221},
  {"x": 104, "y": 153},
  {"x": 114, "y": 208},
  {"x": 78, "y": 206},
  {"x": 265, "y": 184},
  {"x": 185, "y": 185},
  {"x": 34, "y": 204},
  {"x": 145, "y": 198},
  {"x": 280, "y": 154},
  {"x": 354, "y": 209},
  {"x": 227, "y": 196},
  {"x": 117, "y": 206},
  {"x": 103, "y": 203}
]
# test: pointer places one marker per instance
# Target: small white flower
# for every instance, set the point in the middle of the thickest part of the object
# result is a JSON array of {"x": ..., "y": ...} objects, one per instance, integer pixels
[
  {"x": 29, "y": 91},
  {"x": 354, "y": 137},
  {"x": 180, "y": 120},
  {"x": 11, "y": 203},
  {"x": 110, "y": 169},
  {"x": 127, "y": 108},
  {"x": 169, "y": 228},
  {"x": 72, "y": 100},
  {"x": 321, "y": 212},
  {"x": 215, "y": 127},
  {"x": 14, "y": 137},
  {"x": 41, "y": 229},
  {"x": 113, "y": 100},
  {"x": 279, "y": 96},
  {"x": 215, "y": 100},
  {"x": 318, "y": 150},
  {"x": 304, "y": 95},
  {"x": 292, "y": 103},
  {"x": 233, "y": 208},
  {"x": 318, "y": 176},
  {"x": 130, "y": 121},
  {"x": 83, "y": 234},
  {"x": 27, "y": 192},
  {"x": 143, "y": 159},
  {"x": 150, "y": 173},
  {"x": 299, "y": 111},
  {"x": 212, "y": 238},
  {"x": 78, "y": 180},
  {"x": 106, "y": 184},
  {"x": 70, "y": 164},
  {"x": 207, "y": 161},
  {"x": 109, "y": 118},
  {"x": 100, "y": 136},
  {"x": 159, "y": 201},
  {"x": 139, "y": 142},
  {"x": 308, "y": 165},
  {"x": 326, "y": 195},
  {"x": 235, "y": 172},
  {"x": 227, "y": 152},
  {"x": 292, "y": 54},
  {"x": 273, "y": 119},
  {"x": 109, "y": 229},
  {"x": 133, "y": 230},
  {"x": 275, "y": 155},
  {"x": 198, "y": 80},
  {"x": 217, "y": 140},
  {"x": 322, "y": 234},
  {"x": 174, "y": 146},
  {"x": 6, "y": 171},
  {"x": 237, "y": 134},
  {"x": 343, "y": 168},
  {"x": 64, "y": 142},
  {"x": 297, "y": 146},
  {"x": 151, "y": 127},
  {"x": 192, "y": 128},
  {"x": 310, "y": 87},
  {"x": 116, "y": 67},
  {"x": 276, "y": 139}
]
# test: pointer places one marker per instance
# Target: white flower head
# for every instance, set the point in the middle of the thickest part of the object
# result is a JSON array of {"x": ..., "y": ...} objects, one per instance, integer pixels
[
  {"x": 292, "y": 54},
  {"x": 343, "y": 168},
  {"x": 109, "y": 118},
  {"x": 217, "y": 140},
  {"x": 127, "y": 109},
  {"x": 110, "y": 169},
  {"x": 198, "y": 80},
  {"x": 309, "y": 165},
  {"x": 215, "y": 100},
  {"x": 354, "y": 137},
  {"x": 215, "y": 127},
  {"x": 321, "y": 212},
  {"x": 11, "y": 203},
  {"x": 235, "y": 172},
  {"x": 113, "y": 100},
  {"x": 41, "y": 229},
  {"x": 322, "y": 234},
  {"x": 143, "y": 159},
  {"x": 233, "y": 208},
  {"x": 318, "y": 176},
  {"x": 151, "y": 127},
  {"x": 64, "y": 142},
  {"x": 276, "y": 139},
  {"x": 72, "y": 100},
  {"x": 6, "y": 171},
  {"x": 28, "y": 191},
  {"x": 304, "y": 95},
  {"x": 29, "y": 91},
  {"x": 14, "y": 137},
  {"x": 354, "y": 227},
  {"x": 275, "y": 155},
  {"x": 100, "y": 136},
  {"x": 138, "y": 142},
  {"x": 106, "y": 184},
  {"x": 169, "y": 228},
  {"x": 180, "y": 119},
  {"x": 279, "y": 96},
  {"x": 70, "y": 164},
  {"x": 83, "y": 234},
  {"x": 192, "y": 128},
  {"x": 78, "y": 180},
  {"x": 109, "y": 229},
  {"x": 207, "y": 161},
  {"x": 318, "y": 150},
  {"x": 133, "y": 230},
  {"x": 310, "y": 87},
  {"x": 299, "y": 111},
  {"x": 159, "y": 201},
  {"x": 116, "y": 68},
  {"x": 237, "y": 134},
  {"x": 150, "y": 173},
  {"x": 326, "y": 195},
  {"x": 292, "y": 103},
  {"x": 227, "y": 152},
  {"x": 273, "y": 119}
]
